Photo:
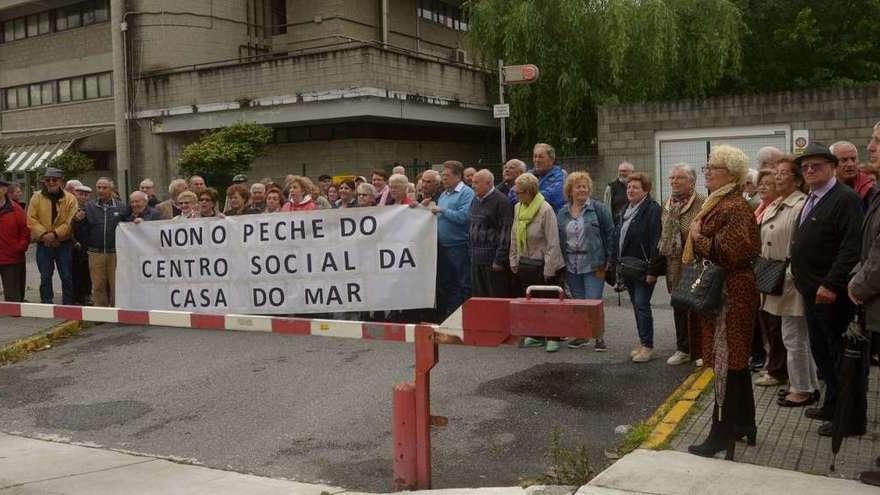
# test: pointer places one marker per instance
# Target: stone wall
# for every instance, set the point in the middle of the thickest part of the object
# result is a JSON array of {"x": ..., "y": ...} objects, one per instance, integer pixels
[{"x": 627, "y": 132}]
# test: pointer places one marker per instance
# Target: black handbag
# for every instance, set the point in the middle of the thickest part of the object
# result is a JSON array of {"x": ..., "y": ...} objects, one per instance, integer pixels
[
  {"x": 632, "y": 268},
  {"x": 770, "y": 275},
  {"x": 700, "y": 288}
]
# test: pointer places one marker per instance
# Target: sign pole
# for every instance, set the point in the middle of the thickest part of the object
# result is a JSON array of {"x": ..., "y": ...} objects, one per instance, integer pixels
[{"x": 503, "y": 123}]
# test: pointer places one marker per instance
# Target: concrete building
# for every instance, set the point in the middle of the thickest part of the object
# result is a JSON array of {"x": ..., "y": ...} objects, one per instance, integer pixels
[{"x": 347, "y": 85}]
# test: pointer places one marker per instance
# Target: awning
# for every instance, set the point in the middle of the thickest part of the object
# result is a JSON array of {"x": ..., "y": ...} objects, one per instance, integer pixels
[{"x": 30, "y": 151}]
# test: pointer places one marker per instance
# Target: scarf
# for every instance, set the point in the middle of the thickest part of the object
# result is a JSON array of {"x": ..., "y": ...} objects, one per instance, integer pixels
[
  {"x": 54, "y": 198},
  {"x": 670, "y": 235},
  {"x": 759, "y": 211},
  {"x": 709, "y": 205},
  {"x": 524, "y": 215}
]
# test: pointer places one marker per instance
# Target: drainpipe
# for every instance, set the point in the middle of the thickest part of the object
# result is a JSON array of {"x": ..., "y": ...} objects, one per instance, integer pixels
[
  {"x": 118, "y": 33},
  {"x": 384, "y": 21}
]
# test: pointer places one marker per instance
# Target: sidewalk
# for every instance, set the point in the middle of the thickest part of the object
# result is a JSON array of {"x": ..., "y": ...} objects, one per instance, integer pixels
[
  {"x": 12, "y": 329},
  {"x": 788, "y": 440}
]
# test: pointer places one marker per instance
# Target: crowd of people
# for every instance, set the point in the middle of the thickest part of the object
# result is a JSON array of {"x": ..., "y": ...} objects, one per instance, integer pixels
[{"x": 816, "y": 214}]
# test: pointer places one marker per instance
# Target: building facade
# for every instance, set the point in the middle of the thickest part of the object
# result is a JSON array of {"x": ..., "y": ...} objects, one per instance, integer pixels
[{"x": 346, "y": 85}]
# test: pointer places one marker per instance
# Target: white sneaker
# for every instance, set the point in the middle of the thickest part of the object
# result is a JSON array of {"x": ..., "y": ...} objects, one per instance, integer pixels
[
  {"x": 643, "y": 356},
  {"x": 636, "y": 351},
  {"x": 699, "y": 363},
  {"x": 678, "y": 358}
]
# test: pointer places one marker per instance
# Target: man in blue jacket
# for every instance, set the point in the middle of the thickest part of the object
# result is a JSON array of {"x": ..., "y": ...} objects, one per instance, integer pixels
[
  {"x": 453, "y": 224},
  {"x": 551, "y": 177},
  {"x": 98, "y": 221}
]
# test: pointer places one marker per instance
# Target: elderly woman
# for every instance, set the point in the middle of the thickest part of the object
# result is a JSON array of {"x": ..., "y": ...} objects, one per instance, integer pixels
[
  {"x": 535, "y": 256},
  {"x": 398, "y": 186},
  {"x": 300, "y": 197},
  {"x": 724, "y": 232},
  {"x": 678, "y": 212},
  {"x": 586, "y": 238},
  {"x": 189, "y": 206},
  {"x": 778, "y": 225},
  {"x": 347, "y": 197},
  {"x": 366, "y": 194},
  {"x": 237, "y": 196},
  {"x": 637, "y": 244},
  {"x": 769, "y": 325},
  {"x": 208, "y": 204},
  {"x": 274, "y": 200}
]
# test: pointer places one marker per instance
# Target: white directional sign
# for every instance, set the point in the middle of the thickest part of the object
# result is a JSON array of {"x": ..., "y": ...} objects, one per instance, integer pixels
[{"x": 501, "y": 111}]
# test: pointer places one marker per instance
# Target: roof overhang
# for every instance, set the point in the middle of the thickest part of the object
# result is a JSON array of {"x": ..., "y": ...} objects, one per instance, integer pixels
[{"x": 31, "y": 150}]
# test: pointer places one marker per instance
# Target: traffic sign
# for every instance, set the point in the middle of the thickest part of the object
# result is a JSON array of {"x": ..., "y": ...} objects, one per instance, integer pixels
[
  {"x": 520, "y": 74},
  {"x": 501, "y": 111}
]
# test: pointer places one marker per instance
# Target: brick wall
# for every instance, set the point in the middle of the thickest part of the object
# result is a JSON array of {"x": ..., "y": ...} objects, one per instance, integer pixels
[
  {"x": 329, "y": 70},
  {"x": 626, "y": 132}
]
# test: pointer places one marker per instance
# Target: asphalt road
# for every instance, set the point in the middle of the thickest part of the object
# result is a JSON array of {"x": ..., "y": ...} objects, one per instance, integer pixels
[{"x": 318, "y": 409}]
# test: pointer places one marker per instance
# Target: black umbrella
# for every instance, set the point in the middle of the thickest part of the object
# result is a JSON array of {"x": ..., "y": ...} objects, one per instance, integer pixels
[{"x": 851, "y": 409}]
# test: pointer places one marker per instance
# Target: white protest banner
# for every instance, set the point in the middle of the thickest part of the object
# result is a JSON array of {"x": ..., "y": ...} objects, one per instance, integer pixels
[{"x": 351, "y": 259}]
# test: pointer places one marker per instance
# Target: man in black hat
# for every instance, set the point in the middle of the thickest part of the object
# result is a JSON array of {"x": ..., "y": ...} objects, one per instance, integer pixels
[
  {"x": 50, "y": 213},
  {"x": 824, "y": 249}
]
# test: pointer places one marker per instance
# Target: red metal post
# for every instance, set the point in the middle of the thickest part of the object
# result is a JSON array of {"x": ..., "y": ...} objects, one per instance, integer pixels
[
  {"x": 426, "y": 358},
  {"x": 404, "y": 435}
]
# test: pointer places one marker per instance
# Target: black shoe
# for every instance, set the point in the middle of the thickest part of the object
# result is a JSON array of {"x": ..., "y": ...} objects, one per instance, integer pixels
[
  {"x": 827, "y": 428},
  {"x": 713, "y": 446},
  {"x": 870, "y": 478},
  {"x": 809, "y": 401},
  {"x": 751, "y": 436},
  {"x": 782, "y": 392},
  {"x": 577, "y": 343},
  {"x": 757, "y": 362},
  {"x": 823, "y": 413}
]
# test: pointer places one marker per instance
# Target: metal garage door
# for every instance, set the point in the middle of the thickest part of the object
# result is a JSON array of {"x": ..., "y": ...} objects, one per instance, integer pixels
[{"x": 695, "y": 150}]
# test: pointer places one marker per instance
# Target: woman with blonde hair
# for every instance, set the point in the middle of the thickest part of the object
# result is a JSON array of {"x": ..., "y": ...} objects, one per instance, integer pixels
[
  {"x": 586, "y": 239},
  {"x": 535, "y": 256},
  {"x": 725, "y": 233},
  {"x": 300, "y": 195}
]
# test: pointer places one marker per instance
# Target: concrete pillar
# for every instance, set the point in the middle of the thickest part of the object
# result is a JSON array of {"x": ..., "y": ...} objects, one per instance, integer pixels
[{"x": 118, "y": 34}]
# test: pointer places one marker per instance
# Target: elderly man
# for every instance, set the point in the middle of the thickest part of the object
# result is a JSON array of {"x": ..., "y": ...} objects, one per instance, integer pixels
[
  {"x": 468, "y": 176},
  {"x": 82, "y": 279},
  {"x": 453, "y": 225},
  {"x": 679, "y": 211},
  {"x": 197, "y": 184},
  {"x": 100, "y": 218},
  {"x": 258, "y": 199},
  {"x": 848, "y": 172},
  {"x": 864, "y": 288},
  {"x": 615, "y": 192},
  {"x": 512, "y": 169},
  {"x": 14, "y": 240},
  {"x": 168, "y": 208},
  {"x": 139, "y": 209},
  {"x": 824, "y": 249},
  {"x": 491, "y": 216},
  {"x": 49, "y": 216},
  {"x": 551, "y": 177},
  {"x": 430, "y": 187},
  {"x": 16, "y": 193},
  {"x": 71, "y": 185},
  {"x": 148, "y": 187}
]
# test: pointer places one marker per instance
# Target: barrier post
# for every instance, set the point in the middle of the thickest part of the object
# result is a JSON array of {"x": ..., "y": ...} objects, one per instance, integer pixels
[
  {"x": 404, "y": 436},
  {"x": 426, "y": 358}
]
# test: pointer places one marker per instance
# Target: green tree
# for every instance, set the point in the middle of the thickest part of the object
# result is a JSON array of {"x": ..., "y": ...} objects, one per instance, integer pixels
[
  {"x": 591, "y": 53},
  {"x": 221, "y": 154},
  {"x": 796, "y": 44}
]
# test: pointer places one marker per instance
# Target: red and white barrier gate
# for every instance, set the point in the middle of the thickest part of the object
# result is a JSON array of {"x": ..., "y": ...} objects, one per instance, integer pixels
[{"x": 480, "y": 321}]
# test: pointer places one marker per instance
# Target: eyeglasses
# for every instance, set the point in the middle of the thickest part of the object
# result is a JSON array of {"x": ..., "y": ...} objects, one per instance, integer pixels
[
  {"x": 812, "y": 165},
  {"x": 50, "y": 179}
]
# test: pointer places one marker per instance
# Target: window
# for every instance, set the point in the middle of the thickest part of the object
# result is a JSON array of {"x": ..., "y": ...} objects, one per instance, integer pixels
[
  {"x": 70, "y": 17},
  {"x": 22, "y": 96},
  {"x": 77, "y": 91},
  {"x": 442, "y": 13},
  {"x": 64, "y": 90},
  {"x": 279, "y": 17},
  {"x": 11, "y": 99},
  {"x": 47, "y": 93},
  {"x": 105, "y": 84},
  {"x": 35, "y": 95},
  {"x": 91, "y": 87}
]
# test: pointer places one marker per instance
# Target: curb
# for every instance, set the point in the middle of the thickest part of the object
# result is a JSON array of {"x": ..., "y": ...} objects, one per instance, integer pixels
[
  {"x": 669, "y": 416},
  {"x": 42, "y": 340}
]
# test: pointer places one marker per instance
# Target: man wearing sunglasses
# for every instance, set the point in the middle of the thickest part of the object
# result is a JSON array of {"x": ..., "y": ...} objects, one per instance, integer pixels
[{"x": 50, "y": 212}]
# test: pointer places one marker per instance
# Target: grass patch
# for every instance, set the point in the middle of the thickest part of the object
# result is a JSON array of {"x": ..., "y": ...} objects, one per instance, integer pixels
[
  {"x": 635, "y": 437},
  {"x": 21, "y": 349},
  {"x": 568, "y": 466}
]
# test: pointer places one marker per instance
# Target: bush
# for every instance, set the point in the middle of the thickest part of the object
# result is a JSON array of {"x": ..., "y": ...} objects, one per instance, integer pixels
[
  {"x": 72, "y": 164},
  {"x": 221, "y": 154}
]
